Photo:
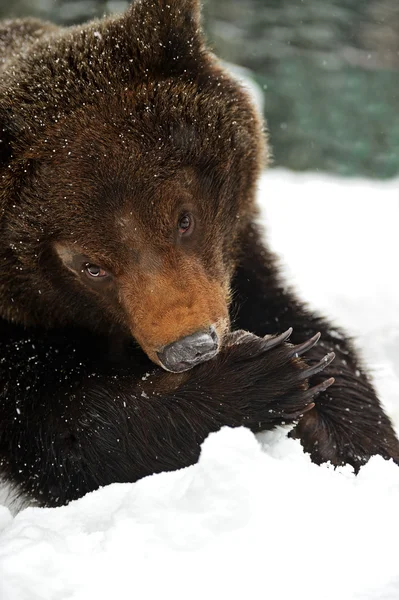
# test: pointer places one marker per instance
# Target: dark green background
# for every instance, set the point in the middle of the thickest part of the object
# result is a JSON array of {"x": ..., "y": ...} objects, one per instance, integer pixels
[{"x": 329, "y": 70}]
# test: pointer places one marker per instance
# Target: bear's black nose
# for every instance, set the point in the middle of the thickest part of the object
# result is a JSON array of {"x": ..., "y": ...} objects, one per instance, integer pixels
[{"x": 189, "y": 351}]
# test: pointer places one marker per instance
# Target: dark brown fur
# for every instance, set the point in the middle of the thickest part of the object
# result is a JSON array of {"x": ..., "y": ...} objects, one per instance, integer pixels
[{"x": 110, "y": 131}]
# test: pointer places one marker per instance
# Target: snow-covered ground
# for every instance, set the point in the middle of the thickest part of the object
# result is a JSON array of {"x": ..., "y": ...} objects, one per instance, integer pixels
[{"x": 254, "y": 518}]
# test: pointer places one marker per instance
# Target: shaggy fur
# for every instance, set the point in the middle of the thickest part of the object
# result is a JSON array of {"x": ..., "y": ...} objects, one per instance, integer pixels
[{"x": 110, "y": 132}]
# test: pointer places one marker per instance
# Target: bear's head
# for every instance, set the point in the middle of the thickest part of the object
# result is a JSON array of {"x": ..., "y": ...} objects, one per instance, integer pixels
[{"x": 129, "y": 165}]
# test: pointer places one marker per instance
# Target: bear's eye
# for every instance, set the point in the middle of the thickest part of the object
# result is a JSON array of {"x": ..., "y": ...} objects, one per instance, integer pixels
[
  {"x": 186, "y": 224},
  {"x": 94, "y": 270}
]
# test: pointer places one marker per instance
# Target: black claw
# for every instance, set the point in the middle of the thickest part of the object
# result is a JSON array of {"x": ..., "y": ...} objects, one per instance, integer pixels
[
  {"x": 302, "y": 348},
  {"x": 321, "y": 387},
  {"x": 272, "y": 342},
  {"x": 320, "y": 366}
]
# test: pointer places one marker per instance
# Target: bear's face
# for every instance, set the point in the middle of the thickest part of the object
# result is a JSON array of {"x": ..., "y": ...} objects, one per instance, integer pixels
[{"x": 130, "y": 210}]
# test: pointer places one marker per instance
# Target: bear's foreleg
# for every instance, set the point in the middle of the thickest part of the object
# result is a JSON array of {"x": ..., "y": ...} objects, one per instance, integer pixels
[{"x": 71, "y": 420}]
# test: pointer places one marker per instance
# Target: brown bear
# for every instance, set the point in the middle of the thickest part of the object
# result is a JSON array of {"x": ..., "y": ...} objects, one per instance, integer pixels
[{"x": 140, "y": 308}]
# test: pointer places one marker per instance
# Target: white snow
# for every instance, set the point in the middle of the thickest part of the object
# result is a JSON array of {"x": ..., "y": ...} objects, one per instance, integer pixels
[{"x": 254, "y": 518}]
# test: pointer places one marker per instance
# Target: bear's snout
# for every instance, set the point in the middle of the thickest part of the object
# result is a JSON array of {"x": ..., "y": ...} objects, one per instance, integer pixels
[
  {"x": 191, "y": 350},
  {"x": 177, "y": 324}
]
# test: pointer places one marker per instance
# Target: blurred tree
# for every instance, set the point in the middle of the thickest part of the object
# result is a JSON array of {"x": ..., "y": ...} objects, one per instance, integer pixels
[{"x": 329, "y": 70}]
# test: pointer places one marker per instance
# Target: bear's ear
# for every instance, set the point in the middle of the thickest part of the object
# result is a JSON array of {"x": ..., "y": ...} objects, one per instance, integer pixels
[
  {"x": 176, "y": 14},
  {"x": 166, "y": 34}
]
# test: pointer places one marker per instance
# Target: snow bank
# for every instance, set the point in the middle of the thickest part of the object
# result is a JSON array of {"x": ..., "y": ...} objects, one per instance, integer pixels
[
  {"x": 241, "y": 522},
  {"x": 254, "y": 518}
]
